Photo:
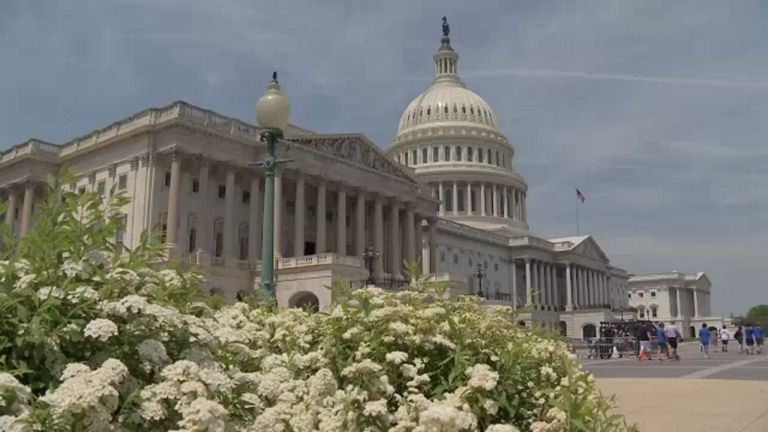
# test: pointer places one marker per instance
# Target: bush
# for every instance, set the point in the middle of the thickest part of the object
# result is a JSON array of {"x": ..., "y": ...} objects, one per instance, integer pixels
[{"x": 95, "y": 338}]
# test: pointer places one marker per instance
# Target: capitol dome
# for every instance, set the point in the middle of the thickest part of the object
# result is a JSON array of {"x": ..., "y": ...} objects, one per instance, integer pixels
[{"x": 450, "y": 137}]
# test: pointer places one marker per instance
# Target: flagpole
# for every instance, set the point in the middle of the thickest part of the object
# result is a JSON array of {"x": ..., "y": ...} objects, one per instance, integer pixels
[{"x": 577, "y": 217}]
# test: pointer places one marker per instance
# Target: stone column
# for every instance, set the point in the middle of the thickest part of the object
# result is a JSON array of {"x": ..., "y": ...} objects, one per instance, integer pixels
[
  {"x": 455, "y": 199},
  {"x": 26, "y": 208},
  {"x": 394, "y": 237},
  {"x": 523, "y": 207},
  {"x": 278, "y": 246},
  {"x": 555, "y": 298},
  {"x": 229, "y": 214},
  {"x": 172, "y": 222},
  {"x": 468, "y": 201},
  {"x": 10, "y": 213},
  {"x": 409, "y": 248},
  {"x": 204, "y": 225},
  {"x": 419, "y": 242},
  {"x": 360, "y": 224},
  {"x": 254, "y": 220},
  {"x": 320, "y": 226},
  {"x": 442, "y": 198},
  {"x": 495, "y": 201},
  {"x": 514, "y": 284},
  {"x": 432, "y": 240},
  {"x": 482, "y": 199},
  {"x": 506, "y": 203},
  {"x": 568, "y": 288},
  {"x": 696, "y": 303},
  {"x": 535, "y": 282},
  {"x": 299, "y": 222},
  {"x": 341, "y": 221},
  {"x": 528, "y": 293},
  {"x": 378, "y": 234},
  {"x": 679, "y": 305}
]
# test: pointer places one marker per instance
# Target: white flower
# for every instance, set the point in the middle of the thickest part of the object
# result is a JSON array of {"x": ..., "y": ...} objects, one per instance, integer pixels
[
  {"x": 376, "y": 408},
  {"x": 74, "y": 369},
  {"x": 396, "y": 357},
  {"x": 502, "y": 428},
  {"x": 152, "y": 352},
  {"x": 101, "y": 329},
  {"x": 443, "y": 418},
  {"x": 99, "y": 258},
  {"x": 481, "y": 376},
  {"x": 204, "y": 415},
  {"x": 47, "y": 292}
]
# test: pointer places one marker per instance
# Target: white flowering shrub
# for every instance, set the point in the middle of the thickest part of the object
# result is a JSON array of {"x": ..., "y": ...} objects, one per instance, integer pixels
[{"x": 97, "y": 339}]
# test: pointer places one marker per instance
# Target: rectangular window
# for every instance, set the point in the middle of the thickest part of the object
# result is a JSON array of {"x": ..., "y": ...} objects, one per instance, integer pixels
[
  {"x": 120, "y": 234},
  {"x": 447, "y": 154},
  {"x": 246, "y": 197},
  {"x": 195, "y": 185},
  {"x": 219, "y": 244},
  {"x": 415, "y": 157},
  {"x": 458, "y": 153},
  {"x": 653, "y": 293},
  {"x": 167, "y": 179},
  {"x": 654, "y": 313},
  {"x": 122, "y": 182},
  {"x": 192, "y": 239},
  {"x": 406, "y": 158},
  {"x": 480, "y": 155},
  {"x": 222, "y": 191},
  {"x": 101, "y": 188},
  {"x": 470, "y": 154},
  {"x": 497, "y": 159},
  {"x": 435, "y": 155},
  {"x": 424, "y": 153},
  {"x": 243, "y": 248},
  {"x": 641, "y": 295},
  {"x": 490, "y": 161}
]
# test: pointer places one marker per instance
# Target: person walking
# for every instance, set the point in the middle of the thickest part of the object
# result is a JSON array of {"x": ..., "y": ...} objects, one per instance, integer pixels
[
  {"x": 725, "y": 336},
  {"x": 704, "y": 337},
  {"x": 749, "y": 338},
  {"x": 739, "y": 336},
  {"x": 643, "y": 335},
  {"x": 673, "y": 336},
  {"x": 661, "y": 341},
  {"x": 759, "y": 338}
]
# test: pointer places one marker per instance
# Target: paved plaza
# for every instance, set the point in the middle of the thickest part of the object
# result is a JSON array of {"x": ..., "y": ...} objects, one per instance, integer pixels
[{"x": 726, "y": 393}]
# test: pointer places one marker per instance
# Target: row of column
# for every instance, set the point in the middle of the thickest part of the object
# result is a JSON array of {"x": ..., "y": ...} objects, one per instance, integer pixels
[
  {"x": 26, "y": 200},
  {"x": 401, "y": 244},
  {"x": 503, "y": 201},
  {"x": 584, "y": 287}
]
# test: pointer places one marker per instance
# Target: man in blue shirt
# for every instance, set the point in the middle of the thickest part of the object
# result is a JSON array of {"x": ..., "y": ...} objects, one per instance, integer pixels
[
  {"x": 759, "y": 338},
  {"x": 749, "y": 336},
  {"x": 661, "y": 341},
  {"x": 704, "y": 340}
]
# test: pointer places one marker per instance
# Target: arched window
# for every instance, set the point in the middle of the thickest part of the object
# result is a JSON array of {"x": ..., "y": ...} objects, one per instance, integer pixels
[
  {"x": 429, "y": 111},
  {"x": 218, "y": 235},
  {"x": 463, "y": 109},
  {"x": 472, "y": 110},
  {"x": 469, "y": 154},
  {"x": 458, "y": 153},
  {"x": 447, "y": 154},
  {"x": 589, "y": 331},
  {"x": 445, "y": 108},
  {"x": 654, "y": 311},
  {"x": 243, "y": 241}
]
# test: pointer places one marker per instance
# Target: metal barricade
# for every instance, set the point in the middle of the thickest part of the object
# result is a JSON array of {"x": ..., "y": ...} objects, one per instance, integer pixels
[{"x": 603, "y": 348}]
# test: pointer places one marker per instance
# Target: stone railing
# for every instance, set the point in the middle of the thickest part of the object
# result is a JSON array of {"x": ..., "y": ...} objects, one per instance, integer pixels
[
  {"x": 531, "y": 241},
  {"x": 32, "y": 146},
  {"x": 469, "y": 231},
  {"x": 315, "y": 260}
]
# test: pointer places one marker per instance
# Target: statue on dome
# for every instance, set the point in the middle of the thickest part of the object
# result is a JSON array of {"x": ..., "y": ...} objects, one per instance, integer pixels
[{"x": 446, "y": 28}]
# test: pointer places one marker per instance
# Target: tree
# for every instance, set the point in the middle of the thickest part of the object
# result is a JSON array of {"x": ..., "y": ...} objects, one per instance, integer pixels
[{"x": 758, "y": 315}]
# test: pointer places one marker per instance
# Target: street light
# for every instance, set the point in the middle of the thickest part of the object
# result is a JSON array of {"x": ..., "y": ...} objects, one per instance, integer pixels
[
  {"x": 480, "y": 275},
  {"x": 272, "y": 112},
  {"x": 369, "y": 256}
]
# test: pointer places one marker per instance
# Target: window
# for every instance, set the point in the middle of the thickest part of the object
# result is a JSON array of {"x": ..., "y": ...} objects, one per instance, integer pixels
[
  {"x": 218, "y": 229},
  {"x": 458, "y": 153},
  {"x": 447, "y": 154},
  {"x": 415, "y": 157},
  {"x": 455, "y": 259},
  {"x": 470, "y": 262},
  {"x": 167, "y": 178},
  {"x": 640, "y": 294},
  {"x": 495, "y": 266},
  {"x": 629, "y": 295},
  {"x": 435, "y": 155},
  {"x": 192, "y": 239},
  {"x": 243, "y": 241},
  {"x": 424, "y": 154},
  {"x": 222, "y": 191},
  {"x": 654, "y": 311},
  {"x": 653, "y": 293},
  {"x": 442, "y": 256},
  {"x": 81, "y": 190},
  {"x": 246, "y": 197},
  {"x": 485, "y": 265},
  {"x": 195, "y": 185},
  {"x": 490, "y": 161},
  {"x": 480, "y": 155},
  {"x": 101, "y": 188},
  {"x": 497, "y": 159},
  {"x": 406, "y": 158},
  {"x": 120, "y": 234},
  {"x": 469, "y": 154},
  {"x": 122, "y": 182},
  {"x": 163, "y": 226}
]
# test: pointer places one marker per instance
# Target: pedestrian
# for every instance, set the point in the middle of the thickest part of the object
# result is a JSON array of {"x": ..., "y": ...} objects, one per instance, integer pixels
[
  {"x": 739, "y": 336},
  {"x": 643, "y": 335},
  {"x": 673, "y": 336},
  {"x": 661, "y": 341},
  {"x": 749, "y": 336},
  {"x": 713, "y": 336},
  {"x": 704, "y": 336},
  {"x": 759, "y": 338},
  {"x": 725, "y": 336}
]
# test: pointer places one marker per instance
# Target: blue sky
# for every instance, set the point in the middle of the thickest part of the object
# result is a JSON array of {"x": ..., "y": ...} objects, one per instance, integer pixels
[{"x": 653, "y": 109}]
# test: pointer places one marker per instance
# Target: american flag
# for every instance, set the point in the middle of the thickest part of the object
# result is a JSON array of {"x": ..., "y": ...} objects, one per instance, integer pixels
[{"x": 580, "y": 196}]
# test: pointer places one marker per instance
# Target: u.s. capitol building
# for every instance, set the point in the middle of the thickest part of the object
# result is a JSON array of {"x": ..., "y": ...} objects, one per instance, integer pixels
[{"x": 444, "y": 192}]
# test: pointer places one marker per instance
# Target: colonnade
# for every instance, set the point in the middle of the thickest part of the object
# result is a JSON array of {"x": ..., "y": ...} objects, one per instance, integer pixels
[
  {"x": 473, "y": 198},
  {"x": 24, "y": 196},
  {"x": 389, "y": 224},
  {"x": 561, "y": 286}
]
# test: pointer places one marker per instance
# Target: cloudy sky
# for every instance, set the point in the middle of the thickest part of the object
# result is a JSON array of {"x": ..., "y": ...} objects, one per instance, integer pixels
[{"x": 651, "y": 108}]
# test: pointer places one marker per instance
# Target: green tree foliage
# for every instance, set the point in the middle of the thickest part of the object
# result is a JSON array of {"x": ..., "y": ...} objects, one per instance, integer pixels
[{"x": 758, "y": 315}]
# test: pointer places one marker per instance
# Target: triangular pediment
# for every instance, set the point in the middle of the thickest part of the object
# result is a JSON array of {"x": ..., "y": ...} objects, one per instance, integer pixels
[
  {"x": 590, "y": 249},
  {"x": 356, "y": 149}
]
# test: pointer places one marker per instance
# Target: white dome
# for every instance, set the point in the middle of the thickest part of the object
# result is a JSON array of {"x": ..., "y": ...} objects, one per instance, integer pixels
[{"x": 448, "y": 102}]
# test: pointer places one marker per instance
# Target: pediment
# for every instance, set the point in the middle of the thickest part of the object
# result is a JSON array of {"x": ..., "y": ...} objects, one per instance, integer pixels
[
  {"x": 590, "y": 249},
  {"x": 356, "y": 149}
]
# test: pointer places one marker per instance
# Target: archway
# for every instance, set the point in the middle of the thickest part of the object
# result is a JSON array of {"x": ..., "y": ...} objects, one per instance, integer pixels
[
  {"x": 693, "y": 331},
  {"x": 304, "y": 300},
  {"x": 588, "y": 331},
  {"x": 562, "y": 328}
]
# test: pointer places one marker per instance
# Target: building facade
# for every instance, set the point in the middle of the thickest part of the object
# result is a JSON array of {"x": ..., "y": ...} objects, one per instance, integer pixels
[
  {"x": 445, "y": 192},
  {"x": 683, "y": 298}
]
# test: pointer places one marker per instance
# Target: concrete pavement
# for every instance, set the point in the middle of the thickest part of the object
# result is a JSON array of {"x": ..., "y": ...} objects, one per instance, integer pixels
[{"x": 727, "y": 392}]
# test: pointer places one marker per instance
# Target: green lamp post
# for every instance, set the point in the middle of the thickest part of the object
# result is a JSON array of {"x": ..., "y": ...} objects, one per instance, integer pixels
[{"x": 272, "y": 111}]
